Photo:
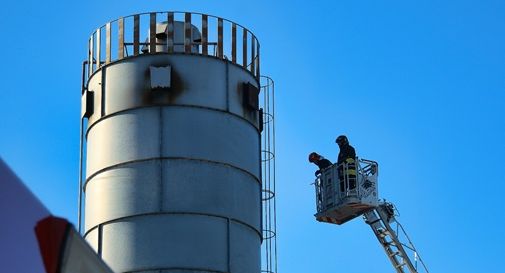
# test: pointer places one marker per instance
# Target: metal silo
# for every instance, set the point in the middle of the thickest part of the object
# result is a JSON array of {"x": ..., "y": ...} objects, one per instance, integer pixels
[{"x": 172, "y": 131}]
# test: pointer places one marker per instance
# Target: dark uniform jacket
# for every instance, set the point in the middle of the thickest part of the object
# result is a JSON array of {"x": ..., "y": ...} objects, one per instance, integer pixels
[
  {"x": 322, "y": 164},
  {"x": 347, "y": 155},
  {"x": 346, "y": 151}
]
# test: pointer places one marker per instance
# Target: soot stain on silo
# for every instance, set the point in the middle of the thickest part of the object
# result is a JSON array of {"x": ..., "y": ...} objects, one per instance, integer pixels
[
  {"x": 161, "y": 96},
  {"x": 247, "y": 113},
  {"x": 177, "y": 86}
]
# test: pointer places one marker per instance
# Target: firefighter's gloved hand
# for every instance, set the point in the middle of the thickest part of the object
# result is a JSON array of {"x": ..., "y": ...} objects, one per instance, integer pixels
[{"x": 318, "y": 172}]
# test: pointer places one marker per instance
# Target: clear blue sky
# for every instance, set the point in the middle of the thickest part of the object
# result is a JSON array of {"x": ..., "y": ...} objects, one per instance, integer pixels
[{"x": 418, "y": 86}]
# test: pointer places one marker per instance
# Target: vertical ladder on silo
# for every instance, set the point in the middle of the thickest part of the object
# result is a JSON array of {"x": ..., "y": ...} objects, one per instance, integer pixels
[{"x": 379, "y": 219}]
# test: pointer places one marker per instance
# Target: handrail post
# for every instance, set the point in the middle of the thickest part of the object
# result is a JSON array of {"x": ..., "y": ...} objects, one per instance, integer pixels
[
  {"x": 152, "y": 32},
  {"x": 234, "y": 43},
  {"x": 244, "y": 48},
  {"x": 136, "y": 34},
  {"x": 258, "y": 61},
  {"x": 120, "y": 48},
  {"x": 170, "y": 32},
  {"x": 90, "y": 56},
  {"x": 98, "y": 46},
  {"x": 205, "y": 33},
  {"x": 253, "y": 53},
  {"x": 107, "y": 43},
  {"x": 220, "y": 38},
  {"x": 187, "y": 33}
]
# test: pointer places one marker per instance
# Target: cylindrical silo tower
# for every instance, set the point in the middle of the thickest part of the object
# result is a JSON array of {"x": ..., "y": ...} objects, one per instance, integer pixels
[{"x": 173, "y": 177}]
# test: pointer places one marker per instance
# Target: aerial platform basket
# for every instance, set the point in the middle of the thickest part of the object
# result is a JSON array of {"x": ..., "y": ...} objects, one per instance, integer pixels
[{"x": 346, "y": 191}]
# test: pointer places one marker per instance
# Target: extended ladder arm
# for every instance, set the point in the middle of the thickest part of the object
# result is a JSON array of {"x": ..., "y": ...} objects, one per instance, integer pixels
[{"x": 379, "y": 220}]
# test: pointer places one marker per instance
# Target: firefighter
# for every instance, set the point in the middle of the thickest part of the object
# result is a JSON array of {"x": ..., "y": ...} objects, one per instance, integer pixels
[
  {"x": 346, "y": 163},
  {"x": 320, "y": 161}
]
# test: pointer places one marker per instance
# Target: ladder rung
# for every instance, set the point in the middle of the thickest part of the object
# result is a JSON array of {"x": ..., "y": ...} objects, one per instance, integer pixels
[
  {"x": 394, "y": 254},
  {"x": 373, "y": 222},
  {"x": 389, "y": 243},
  {"x": 383, "y": 233},
  {"x": 400, "y": 265}
]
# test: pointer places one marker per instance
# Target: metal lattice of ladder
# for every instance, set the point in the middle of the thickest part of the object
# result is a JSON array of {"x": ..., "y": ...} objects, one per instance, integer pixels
[
  {"x": 269, "y": 222},
  {"x": 380, "y": 220}
]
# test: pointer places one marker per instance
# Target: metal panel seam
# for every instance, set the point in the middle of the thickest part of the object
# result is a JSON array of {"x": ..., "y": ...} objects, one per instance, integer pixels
[
  {"x": 169, "y": 54},
  {"x": 170, "y": 105},
  {"x": 189, "y": 269},
  {"x": 126, "y": 163},
  {"x": 116, "y": 220}
]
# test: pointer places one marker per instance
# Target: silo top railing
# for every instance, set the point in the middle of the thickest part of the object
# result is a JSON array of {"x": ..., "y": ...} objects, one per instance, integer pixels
[{"x": 136, "y": 34}]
